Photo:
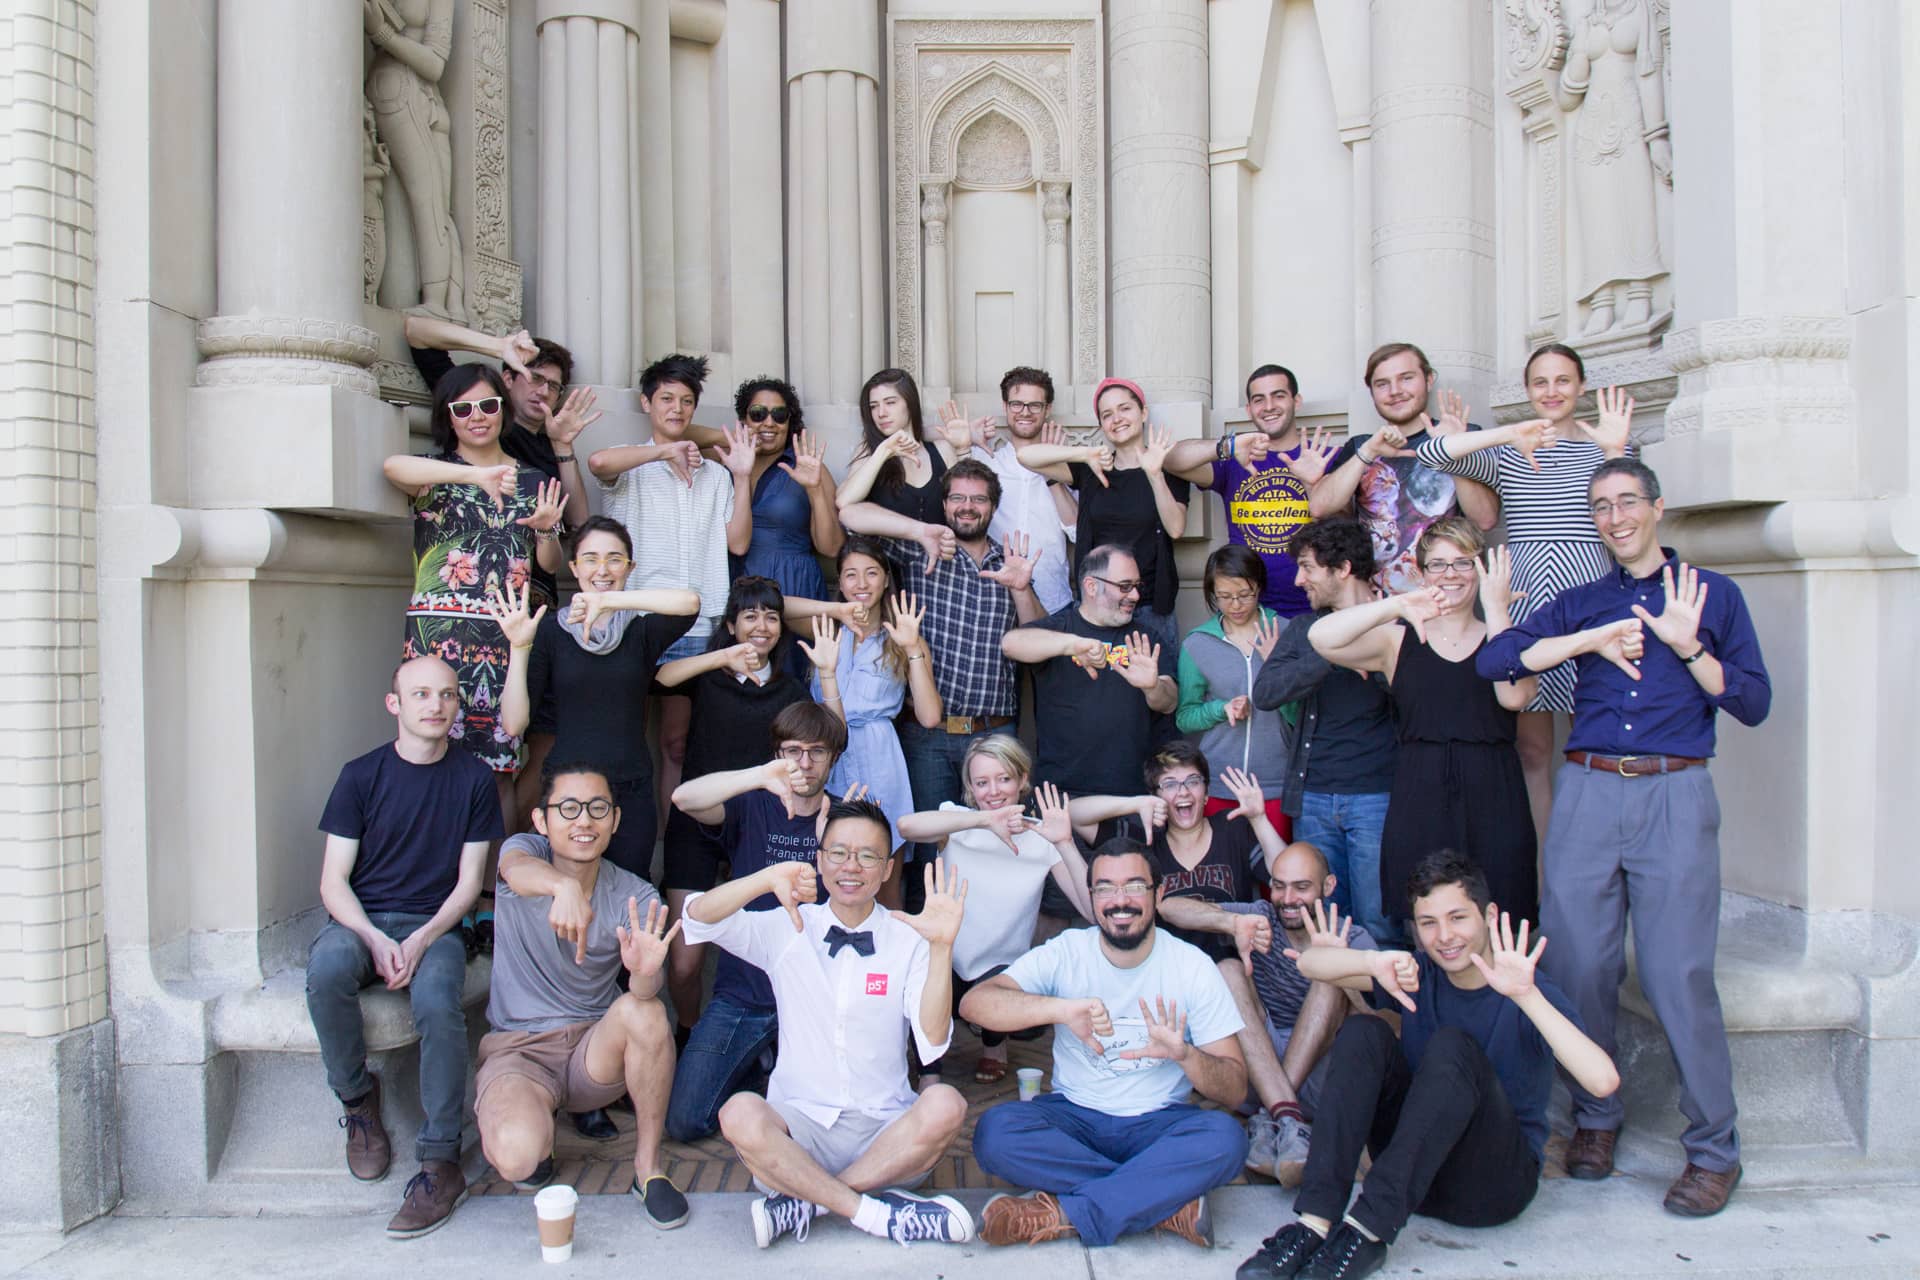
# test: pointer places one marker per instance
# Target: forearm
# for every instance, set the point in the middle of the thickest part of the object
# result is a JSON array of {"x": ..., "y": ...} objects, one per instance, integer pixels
[
  {"x": 1071, "y": 877},
  {"x": 1051, "y": 460},
  {"x": 1005, "y": 1007},
  {"x": 574, "y": 484},
  {"x": 936, "y": 998},
  {"x": 823, "y": 517},
  {"x": 933, "y": 826},
  {"x": 925, "y": 694},
  {"x": 516, "y": 708},
  {"x": 444, "y": 335},
  {"x": 410, "y": 474},
  {"x": 609, "y": 465},
  {"x": 1477, "y": 502},
  {"x": 1705, "y": 670},
  {"x": 1035, "y": 644},
  {"x": 1192, "y": 460},
  {"x": 681, "y": 670},
  {"x": 1333, "y": 493},
  {"x": 1196, "y": 914},
  {"x": 875, "y": 520},
  {"x": 1271, "y": 843},
  {"x": 740, "y": 523},
  {"x": 1339, "y": 965},
  {"x": 678, "y": 601},
  {"x": 1026, "y": 606},
  {"x": 548, "y": 551},
  {"x": 530, "y": 877},
  {"x": 466, "y": 892},
  {"x": 1550, "y": 652},
  {"x": 1163, "y": 695},
  {"x": 1584, "y": 1060},
  {"x": 711, "y": 791},
  {"x": 1217, "y": 1077},
  {"x": 860, "y": 480},
  {"x": 1091, "y": 811},
  {"x": 344, "y": 906},
  {"x": 1338, "y": 637},
  {"x": 717, "y": 904}
]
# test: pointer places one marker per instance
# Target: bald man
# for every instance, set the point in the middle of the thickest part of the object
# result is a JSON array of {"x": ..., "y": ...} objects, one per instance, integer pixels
[{"x": 408, "y": 826}]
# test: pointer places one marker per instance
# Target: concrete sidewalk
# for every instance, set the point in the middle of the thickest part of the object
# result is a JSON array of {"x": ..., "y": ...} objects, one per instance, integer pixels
[{"x": 1574, "y": 1230}]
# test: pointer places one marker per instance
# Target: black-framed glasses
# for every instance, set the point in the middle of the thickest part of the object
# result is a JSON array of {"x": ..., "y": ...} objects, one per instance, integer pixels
[
  {"x": 968, "y": 500},
  {"x": 760, "y": 413},
  {"x": 1026, "y": 407},
  {"x": 1132, "y": 889},
  {"x": 838, "y": 855},
  {"x": 1441, "y": 568},
  {"x": 552, "y": 386},
  {"x": 1131, "y": 587},
  {"x": 465, "y": 408},
  {"x": 815, "y": 755},
  {"x": 597, "y": 808},
  {"x": 1192, "y": 782}
]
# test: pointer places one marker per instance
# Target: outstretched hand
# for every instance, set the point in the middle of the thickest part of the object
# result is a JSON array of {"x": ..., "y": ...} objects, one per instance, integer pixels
[
  {"x": 1056, "y": 827},
  {"x": 575, "y": 414},
  {"x": 1246, "y": 789},
  {"x": 1453, "y": 413},
  {"x": 1678, "y": 626},
  {"x": 1315, "y": 456},
  {"x": 1614, "y": 428},
  {"x": 824, "y": 652},
  {"x": 1511, "y": 972},
  {"x": 1166, "y": 1032},
  {"x": 1323, "y": 928},
  {"x": 1016, "y": 565},
  {"x": 549, "y": 504},
  {"x": 808, "y": 465},
  {"x": 510, "y": 611},
  {"x": 644, "y": 949},
  {"x": 938, "y": 921},
  {"x": 1142, "y": 667}
]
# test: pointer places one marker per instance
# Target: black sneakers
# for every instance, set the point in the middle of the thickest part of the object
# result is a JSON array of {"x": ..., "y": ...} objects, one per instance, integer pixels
[
  {"x": 1282, "y": 1254},
  {"x": 1347, "y": 1255}
]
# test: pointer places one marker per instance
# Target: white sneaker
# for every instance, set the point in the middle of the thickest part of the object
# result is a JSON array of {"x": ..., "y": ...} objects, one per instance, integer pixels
[
  {"x": 1260, "y": 1134},
  {"x": 1290, "y": 1143}
]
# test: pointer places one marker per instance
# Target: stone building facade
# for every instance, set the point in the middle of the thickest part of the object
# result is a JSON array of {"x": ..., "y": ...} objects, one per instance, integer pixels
[{"x": 219, "y": 211}]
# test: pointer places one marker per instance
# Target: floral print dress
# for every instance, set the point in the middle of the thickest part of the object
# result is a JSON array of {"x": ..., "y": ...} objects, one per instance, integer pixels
[{"x": 464, "y": 548}]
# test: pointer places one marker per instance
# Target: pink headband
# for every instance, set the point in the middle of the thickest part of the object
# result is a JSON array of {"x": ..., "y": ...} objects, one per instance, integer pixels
[{"x": 1139, "y": 396}]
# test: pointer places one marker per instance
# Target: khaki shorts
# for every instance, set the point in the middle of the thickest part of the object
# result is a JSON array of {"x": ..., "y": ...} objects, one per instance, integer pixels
[
  {"x": 833, "y": 1147},
  {"x": 555, "y": 1060}
]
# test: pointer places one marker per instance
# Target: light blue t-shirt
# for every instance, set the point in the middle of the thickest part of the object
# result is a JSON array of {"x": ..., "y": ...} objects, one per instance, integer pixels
[{"x": 1071, "y": 966}]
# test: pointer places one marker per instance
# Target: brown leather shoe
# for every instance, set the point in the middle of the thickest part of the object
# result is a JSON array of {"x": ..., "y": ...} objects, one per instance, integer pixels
[
  {"x": 1701, "y": 1193},
  {"x": 1590, "y": 1154},
  {"x": 368, "y": 1150},
  {"x": 1192, "y": 1222},
  {"x": 1023, "y": 1219},
  {"x": 432, "y": 1196}
]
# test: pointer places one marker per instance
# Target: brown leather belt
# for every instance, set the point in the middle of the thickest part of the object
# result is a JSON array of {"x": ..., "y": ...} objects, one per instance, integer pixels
[
  {"x": 1633, "y": 766},
  {"x": 974, "y": 724}
]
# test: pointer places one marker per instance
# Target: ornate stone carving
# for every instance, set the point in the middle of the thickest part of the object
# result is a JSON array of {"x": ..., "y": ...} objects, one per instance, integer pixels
[
  {"x": 1536, "y": 36},
  {"x": 254, "y": 348},
  {"x": 993, "y": 151},
  {"x": 1056, "y": 207},
  {"x": 411, "y": 40},
  {"x": 933, "y": 211},
  {"x": 493, "y": 277},
  {"x": 374, "y": 167},
  {"x": 1044, "y": 76}
]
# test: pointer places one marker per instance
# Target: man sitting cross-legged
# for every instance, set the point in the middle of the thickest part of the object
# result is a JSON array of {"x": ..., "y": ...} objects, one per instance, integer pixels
[
  {"x": 1455, "y": 1111},
  {"x": 566, "y": 921},
  {"x": 1141, "y": 1019},
  {"x": 839, "y": 1128}
]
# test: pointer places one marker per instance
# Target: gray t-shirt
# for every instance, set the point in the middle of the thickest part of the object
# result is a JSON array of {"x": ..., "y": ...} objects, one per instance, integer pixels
[
  {"x": 1278, "y": 982},
  {"x": 536, "y": 984}
]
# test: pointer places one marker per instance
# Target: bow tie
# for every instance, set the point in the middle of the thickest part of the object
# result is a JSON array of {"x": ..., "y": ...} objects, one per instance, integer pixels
[{"x": 862, "y": 942}]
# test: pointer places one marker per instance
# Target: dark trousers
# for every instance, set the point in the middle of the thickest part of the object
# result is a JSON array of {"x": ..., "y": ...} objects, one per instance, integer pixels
[
  {"x": 1444, "y": 1138},
  {"x": 631, "y": 848}
]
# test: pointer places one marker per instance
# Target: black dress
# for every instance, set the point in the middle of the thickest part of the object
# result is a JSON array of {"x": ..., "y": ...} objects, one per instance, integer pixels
[
  {"x": 1123, "y": 512},
  {"x": 1456, "y": 783},
  {"x": 924, "y": 503}
]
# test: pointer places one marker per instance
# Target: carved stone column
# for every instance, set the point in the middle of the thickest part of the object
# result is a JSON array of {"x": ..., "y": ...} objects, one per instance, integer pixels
[
  {"x": 1432, "y": 162},
  {"x": 591, "y": 282},
  {"x": 1162, "y": 285},
  {"x": 835, "y": 331},
  {"x": 936, "y": 366},
  {"x": 1056, "y": 208},
  {"x": 289, "y": 195}
]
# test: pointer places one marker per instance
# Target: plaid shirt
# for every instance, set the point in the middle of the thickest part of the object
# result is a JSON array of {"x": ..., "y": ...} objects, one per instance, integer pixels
[{"x": 966, "y": 617}]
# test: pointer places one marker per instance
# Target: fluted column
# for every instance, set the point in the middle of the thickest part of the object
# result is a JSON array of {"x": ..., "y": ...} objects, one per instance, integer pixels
[
  {"x": 590, "y": 291},
  {"x": 835, "y": 287},
  {"x": 936, "y": 358},
  {"x": 1056, "y": 207},
  {"x": 1159, "y": 255},
  {"x": 289, "y": 199},
  {"x": 1432, "y": 165}
]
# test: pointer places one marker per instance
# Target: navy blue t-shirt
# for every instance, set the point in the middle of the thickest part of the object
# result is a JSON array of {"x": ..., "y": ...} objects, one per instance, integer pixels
[
  {"x": 411, "y": 820},
  {"x": 1520, "y": 1055},
  {"x": 756, "y": 834}
]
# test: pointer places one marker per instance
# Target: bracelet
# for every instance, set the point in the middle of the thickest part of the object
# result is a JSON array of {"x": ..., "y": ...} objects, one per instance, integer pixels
[
  {"x": 1695, "y": 656},
  {"x": 523, "y": 648},
  {"x": 916, "y": 657},
  {"x": 563, "y": 457},
  {"x": 1224, "y": 450}
]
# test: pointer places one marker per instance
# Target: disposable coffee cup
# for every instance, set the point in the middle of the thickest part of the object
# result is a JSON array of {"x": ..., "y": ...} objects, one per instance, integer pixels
[
  {"x": 554, "y": 1207},
  {"x": 1029, "y": 1083}
]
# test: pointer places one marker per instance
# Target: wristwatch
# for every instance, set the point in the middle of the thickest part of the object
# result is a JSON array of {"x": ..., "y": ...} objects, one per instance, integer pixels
[{"x": 1695, "y": 656}]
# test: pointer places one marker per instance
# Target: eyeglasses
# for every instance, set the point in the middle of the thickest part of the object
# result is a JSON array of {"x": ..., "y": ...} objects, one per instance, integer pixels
[
  {"x": 552, "y": 386},
  {"x": 1192, "y": 782},
  {"x": 594, "y": 560},
  {"x": 596, "y": 808},
  {"x": 839, "y": 856},
  {"x": 814, "y": 754},
  {"x": 760, "y": 413},
  {"x": 1442, "y": 568},
  {"x": 1026, "y": 408},
  {"x": 1626, "y": 505},
  {"x": 1237, "y": 597},
  {"x": 1131, "y": 587},
  {"x": 1132, "y": 889},
  {"x": 969, "y": 500},
  {"x": 465, "y": 408}
]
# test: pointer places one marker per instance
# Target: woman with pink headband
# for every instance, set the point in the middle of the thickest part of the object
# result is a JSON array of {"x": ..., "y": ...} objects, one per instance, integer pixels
[{"x": 1127, "y": 497}]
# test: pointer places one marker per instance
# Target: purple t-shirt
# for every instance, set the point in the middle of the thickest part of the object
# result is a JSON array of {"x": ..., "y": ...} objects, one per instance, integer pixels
[{"x": 1266, "y": 506}]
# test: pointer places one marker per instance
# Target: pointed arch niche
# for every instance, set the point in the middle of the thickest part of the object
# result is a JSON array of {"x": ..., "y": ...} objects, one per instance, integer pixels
[{"x": 997, "y": 230}]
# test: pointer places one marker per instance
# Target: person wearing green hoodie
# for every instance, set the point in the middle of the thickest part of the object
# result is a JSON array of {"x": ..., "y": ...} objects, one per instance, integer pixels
[{"x": 1218, "y": 662}]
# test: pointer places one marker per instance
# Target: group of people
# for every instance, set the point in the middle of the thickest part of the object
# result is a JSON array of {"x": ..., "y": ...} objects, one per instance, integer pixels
[{"x": 1317, "y": 838}]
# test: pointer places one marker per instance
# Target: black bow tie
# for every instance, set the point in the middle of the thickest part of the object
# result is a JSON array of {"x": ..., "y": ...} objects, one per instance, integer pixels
[{"x": 837, "y": 938}]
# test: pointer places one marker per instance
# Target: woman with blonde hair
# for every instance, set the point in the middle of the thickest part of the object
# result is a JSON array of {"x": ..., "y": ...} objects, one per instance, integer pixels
[
  {"x": 1006, "y": 856},
  {"x": 1457, "y": 781}
]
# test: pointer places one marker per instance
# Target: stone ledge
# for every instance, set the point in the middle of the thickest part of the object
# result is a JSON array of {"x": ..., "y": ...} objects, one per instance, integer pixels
[{"x": 272, "y": 1018}]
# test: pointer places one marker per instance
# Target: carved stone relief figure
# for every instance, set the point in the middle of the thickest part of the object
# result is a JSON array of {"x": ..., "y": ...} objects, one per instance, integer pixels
[
  {"x": 411, "y": 40},
  {"x": 1611, "y": 88},
  {"x": 374, "y": 166}
]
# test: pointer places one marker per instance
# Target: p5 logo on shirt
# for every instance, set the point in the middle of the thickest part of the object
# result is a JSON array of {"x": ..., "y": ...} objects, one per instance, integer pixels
[{"x": 876, "y": 984}]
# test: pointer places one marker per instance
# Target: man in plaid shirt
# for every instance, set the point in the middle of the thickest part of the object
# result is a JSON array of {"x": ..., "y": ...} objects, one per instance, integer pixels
[{"x": 975, "y": 590}]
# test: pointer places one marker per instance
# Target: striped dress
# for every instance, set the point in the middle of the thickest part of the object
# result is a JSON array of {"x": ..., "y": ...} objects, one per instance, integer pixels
[{"x": 1550, "y": 536}]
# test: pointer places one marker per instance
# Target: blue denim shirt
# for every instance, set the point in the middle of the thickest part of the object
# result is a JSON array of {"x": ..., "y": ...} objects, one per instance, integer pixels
[{"x": 1665, "y": 712}]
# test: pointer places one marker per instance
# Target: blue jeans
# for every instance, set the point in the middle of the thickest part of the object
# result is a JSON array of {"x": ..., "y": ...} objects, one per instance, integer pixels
[
  {"x": 725, "y": 1046},
  {"x": 1111, "y": 1174},
  {"x": 1347, "y": 830},
  {"x": 339, "y": 966}
]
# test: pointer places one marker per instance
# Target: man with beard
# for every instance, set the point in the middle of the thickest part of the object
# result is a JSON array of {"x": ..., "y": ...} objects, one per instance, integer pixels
[
  {"x": 1263, "y": 477},
  {"x": 975, "y": 591},
  {"x": 1140, "y": 1019},
  {"x": 1377, "y": 477},
  {"x": 1340, "y": 766},
  {"x": 769, "y": 814},
  {"x": 1042, "y": 509}
]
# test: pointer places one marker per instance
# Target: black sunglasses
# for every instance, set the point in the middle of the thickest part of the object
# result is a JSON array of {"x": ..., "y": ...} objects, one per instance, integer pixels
[{"x": 760, "y": 413}]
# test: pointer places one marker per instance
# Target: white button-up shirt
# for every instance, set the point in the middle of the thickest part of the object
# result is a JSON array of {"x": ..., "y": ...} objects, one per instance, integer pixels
[
  {"x": 843, "y": 1021},
  {"x": 679, "y": 532},
  {"x": 1027, "y": 507}
]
